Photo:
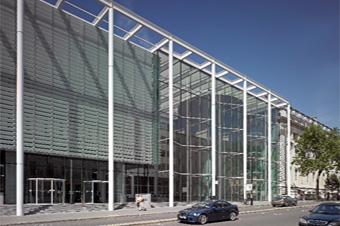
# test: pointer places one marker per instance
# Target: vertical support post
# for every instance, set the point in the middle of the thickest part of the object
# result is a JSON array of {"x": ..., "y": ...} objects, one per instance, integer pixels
[
  {"x": 111, "y": 110},
  {"x": 269, "y": 128},
  {"x": 36, "y": 191},
  {"x": 288, "y": 150},
  {"x": 20, "y": 110},
  {"x": 92, "y": 192},
  {"x": 244, "y": 138},
  {"x": 213, "y": 129},
  {"x": 52, "y": 191},
  {"x": 171, "y": 127}
]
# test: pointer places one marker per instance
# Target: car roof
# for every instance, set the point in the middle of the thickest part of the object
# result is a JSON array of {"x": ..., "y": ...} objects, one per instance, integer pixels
[{"x": 329, "y": 204}]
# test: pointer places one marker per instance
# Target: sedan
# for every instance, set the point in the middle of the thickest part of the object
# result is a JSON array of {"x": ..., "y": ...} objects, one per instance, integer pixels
[
  {"x": 283, "y": 200},
  {"x": 324, "y": 214},
  {"x": 208, "y": 211}
]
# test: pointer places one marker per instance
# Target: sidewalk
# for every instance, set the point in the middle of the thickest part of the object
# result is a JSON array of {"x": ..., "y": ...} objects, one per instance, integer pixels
[{"x": 67, "y": 212}]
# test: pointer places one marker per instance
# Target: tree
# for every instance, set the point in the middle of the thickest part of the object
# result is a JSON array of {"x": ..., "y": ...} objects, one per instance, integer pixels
[
  {"x": 332, "y": 182},
  {"x": 317, "y": 151}
]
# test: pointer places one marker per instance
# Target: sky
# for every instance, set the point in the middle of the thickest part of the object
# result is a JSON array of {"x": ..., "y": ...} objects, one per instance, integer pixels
[{"x": 289, "y": 46}]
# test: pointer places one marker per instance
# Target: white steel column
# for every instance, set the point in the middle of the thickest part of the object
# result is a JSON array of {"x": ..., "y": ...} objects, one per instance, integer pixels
[
  {"x": 20, "y": 109},
  {"x": 171, "y": 127},
  {"x": 213, "y": 129},
  {"x": 111, "y": 109},
  {"x": 288, "y": 150},
  {"x": 244, "y": 138},
  {"x": 269, "y": 128}
]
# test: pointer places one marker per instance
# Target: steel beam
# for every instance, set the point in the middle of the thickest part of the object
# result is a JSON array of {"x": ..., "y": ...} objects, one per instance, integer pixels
[
  {"x": 251, "y": 88},
  {"x": 20, "y": 110},
  {"x": 222, "y": 73},
  {"x": 213, "y": 130},
  {"x": 238, "y": 81},
  {"x": 171, "y": 127},
  {"x": 204, "y": 65},
  {"x": 269, "y": 144},
  {"x": 111, "y": 110},
  {"x": 244, "y": 138},
  {"x": 59, "y": 4},
  {"x": 159, "y": 45},
  {"x": 132, "y": 32},
  {"x": 185, "y": 55},
  {"x": 100, "y": 16}
]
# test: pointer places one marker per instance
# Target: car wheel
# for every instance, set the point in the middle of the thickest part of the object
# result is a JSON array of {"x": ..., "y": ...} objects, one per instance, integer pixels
[
  {"x": 232, "y": 216},
  {"x": 273, "y": 205},
  {"x": 202, "y": 219}
]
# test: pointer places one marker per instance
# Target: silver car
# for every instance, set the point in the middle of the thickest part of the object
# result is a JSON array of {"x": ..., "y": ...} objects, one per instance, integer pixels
[{"x": 284, "y": 200}]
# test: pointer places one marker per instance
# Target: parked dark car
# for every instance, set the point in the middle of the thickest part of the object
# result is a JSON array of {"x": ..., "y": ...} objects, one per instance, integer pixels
[
  {"x": 323, "y": 214},
  {"x": 284, "y": 200},
  {"x": 209, "y": 211}
]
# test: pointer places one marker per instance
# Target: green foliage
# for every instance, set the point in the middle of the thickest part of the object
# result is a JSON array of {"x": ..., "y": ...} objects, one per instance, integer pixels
[
  {"x": 317, "y": 150},
  {"x": 333, "y": 182}
]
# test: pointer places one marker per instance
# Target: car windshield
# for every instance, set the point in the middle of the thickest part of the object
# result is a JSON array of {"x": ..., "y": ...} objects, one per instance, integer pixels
[
  {"x": 327, "y": 209},
  {"x": 278, "y": 197},
  {"x": 201, "y": 205}
]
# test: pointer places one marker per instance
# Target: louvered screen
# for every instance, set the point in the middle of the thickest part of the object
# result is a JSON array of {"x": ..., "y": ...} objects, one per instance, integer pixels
[{"x": 66, "y": 87}]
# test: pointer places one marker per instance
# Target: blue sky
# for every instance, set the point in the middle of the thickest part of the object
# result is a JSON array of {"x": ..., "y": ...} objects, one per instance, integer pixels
[{"x": 289, "y": 46}]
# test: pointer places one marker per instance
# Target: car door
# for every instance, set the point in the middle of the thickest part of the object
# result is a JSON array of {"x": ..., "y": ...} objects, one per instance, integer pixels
[
  {"x": 226, "y": 210},
  {"x": 216, "y": 212}
]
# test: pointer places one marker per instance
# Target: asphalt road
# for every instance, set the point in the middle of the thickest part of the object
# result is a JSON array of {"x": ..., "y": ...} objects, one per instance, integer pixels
[
  {"x": 256, "y": 215},
  {"x": 280, "y": 217}
]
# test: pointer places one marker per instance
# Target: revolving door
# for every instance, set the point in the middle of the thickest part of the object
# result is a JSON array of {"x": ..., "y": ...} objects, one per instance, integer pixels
[{"x": 46, "y": 190}]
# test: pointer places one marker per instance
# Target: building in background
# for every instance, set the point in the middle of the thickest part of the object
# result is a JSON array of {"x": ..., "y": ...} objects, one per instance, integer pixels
[
  {"x": 299, "y": 183},
  {"x": 184, "y": 129}
]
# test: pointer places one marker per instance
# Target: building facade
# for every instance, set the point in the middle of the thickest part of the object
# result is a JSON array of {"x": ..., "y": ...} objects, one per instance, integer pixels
[
  {"x": 106, "y": 117},
  {"x": 302, "y": 184}
]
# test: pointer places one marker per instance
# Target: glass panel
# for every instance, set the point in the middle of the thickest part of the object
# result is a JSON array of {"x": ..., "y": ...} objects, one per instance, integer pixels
[
  {"x": 88, "y": 192},
  {"x": 58, "y": 194},
  {"x": 32, "y": 191},
  {"x": 44, "y": 191}
]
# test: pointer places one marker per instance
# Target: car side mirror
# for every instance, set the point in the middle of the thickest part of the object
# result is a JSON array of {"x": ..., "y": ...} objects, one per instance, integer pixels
[{"x": 310, "y": 211}]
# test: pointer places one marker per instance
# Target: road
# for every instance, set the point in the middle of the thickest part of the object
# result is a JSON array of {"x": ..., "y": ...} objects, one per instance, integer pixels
[
  {"x": 280, "y": 217},
  {"x": 256, "y": 215}
]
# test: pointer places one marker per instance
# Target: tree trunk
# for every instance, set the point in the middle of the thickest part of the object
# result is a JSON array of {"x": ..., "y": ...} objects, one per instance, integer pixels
[{"x": 317, "y": 184}]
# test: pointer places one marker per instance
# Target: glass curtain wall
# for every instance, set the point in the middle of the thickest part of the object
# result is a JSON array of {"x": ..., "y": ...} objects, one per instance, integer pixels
[
  {"x": 229, "y": 141},
  {"x": 257, "y": 151},
  {"x": 275, "y": 126},
  {"x": 192, "y": 131}
]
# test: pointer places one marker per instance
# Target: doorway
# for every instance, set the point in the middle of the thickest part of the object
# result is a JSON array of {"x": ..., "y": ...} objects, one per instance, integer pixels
[
  {"x": 95, "y": 191},
  {"x": 46, "y": 190}
]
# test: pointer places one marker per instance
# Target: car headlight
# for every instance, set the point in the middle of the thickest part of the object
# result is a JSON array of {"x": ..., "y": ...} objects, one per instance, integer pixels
[
  {"x": 303, "y": 221},
  {"x": 195, "y": 214}
]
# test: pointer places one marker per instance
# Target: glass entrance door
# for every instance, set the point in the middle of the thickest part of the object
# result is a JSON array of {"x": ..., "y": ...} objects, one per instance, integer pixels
[
  {"x": 46, "y": 190},
  {"x": 95, "y": 191}
]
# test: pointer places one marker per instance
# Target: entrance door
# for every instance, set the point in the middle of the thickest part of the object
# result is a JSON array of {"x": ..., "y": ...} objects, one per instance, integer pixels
[
  {"x": 46, "y": 190},
  {"x": 95, "y": 191}
]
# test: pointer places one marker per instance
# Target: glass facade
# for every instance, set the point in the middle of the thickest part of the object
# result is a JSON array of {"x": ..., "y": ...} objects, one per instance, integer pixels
[
  {"x": 66, "y": 120},
  {"x": 229, "y": 136}
]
